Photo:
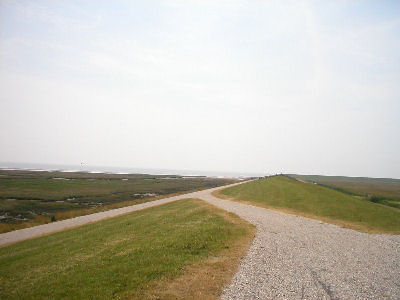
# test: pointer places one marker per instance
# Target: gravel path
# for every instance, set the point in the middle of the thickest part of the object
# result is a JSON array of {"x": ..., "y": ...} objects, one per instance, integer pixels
[{"x": 293, "y": 257}]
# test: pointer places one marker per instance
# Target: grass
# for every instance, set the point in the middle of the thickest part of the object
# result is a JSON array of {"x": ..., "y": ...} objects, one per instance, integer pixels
[
  {"x": 387, "y": 188},
  {"x": 186, "y": 249},
  {"x": 310, "y": 200},
  {"x": 31, "y": 198}
]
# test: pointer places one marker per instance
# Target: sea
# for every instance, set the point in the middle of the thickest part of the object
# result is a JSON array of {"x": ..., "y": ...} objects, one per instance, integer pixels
[{"x": 123, "y": 170}]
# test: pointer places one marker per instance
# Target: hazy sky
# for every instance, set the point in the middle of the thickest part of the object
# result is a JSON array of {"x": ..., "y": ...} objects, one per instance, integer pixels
[{"x": 251, "y": 86}]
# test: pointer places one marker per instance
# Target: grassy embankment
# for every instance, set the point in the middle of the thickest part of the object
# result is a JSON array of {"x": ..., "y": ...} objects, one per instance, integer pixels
[
  {"x": 385, "y": 191},
  {"x": 318, "y": 202},
  {"x": 186, "y": 249},
  {"x": 32, "y": 198}
]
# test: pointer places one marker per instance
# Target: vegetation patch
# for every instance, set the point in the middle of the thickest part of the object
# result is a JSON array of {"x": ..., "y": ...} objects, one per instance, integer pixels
[
  {"x": 385, "y": 191},
  {"x": 30, "y": 198},
  {"x": 315, "y": 201},
  {"x": 186, "y": 249}
]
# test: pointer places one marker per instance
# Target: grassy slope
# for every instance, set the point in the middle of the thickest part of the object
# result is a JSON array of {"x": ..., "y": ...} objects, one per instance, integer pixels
[
  {"x": 382, "y": 187},
  {"x": 137, "y": 255},
  {"x": 318, "y": 202}
]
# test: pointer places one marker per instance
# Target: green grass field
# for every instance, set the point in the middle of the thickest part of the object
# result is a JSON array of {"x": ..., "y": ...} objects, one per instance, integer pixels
[
  {"x": 289, "y": 195},
  {"x": 385, "y": 191},
  {"x": 133, "y": 256},
  {"x": 30, "y": 198}
]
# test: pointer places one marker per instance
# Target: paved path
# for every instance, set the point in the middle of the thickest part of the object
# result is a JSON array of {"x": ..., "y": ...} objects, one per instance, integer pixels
[{"x": 291, "y": 257}]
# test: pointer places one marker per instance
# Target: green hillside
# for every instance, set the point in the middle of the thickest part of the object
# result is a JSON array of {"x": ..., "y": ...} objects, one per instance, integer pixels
[
  {"x": 385, "y": 191},
  {"x": 133, "y": 256},
  {"x": 383, "y": 187},
  {"x": 289, "y": 195}
]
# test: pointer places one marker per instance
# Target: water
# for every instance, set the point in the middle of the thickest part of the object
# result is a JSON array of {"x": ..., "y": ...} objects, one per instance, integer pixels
[{"x": 121, "y": 170}]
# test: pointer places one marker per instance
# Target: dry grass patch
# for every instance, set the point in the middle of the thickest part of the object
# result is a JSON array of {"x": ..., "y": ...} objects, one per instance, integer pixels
[{"x": 207, "y": 278}]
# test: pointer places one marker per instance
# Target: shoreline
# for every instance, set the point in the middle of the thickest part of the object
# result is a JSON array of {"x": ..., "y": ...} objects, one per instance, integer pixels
[{"x": 121, "y": 170}]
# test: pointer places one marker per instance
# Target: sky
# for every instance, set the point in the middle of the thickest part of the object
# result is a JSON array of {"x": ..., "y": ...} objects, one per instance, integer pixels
[{"x": 308, "y": 87}]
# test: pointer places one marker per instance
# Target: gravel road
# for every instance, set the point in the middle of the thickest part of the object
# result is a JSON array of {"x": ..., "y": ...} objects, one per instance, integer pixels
[{"x": 293, "y": 257}]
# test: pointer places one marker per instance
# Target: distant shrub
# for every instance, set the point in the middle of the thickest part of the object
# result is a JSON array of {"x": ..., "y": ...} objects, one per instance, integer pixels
[
  {"x": 375, "y": 199},
  {"x": 53, "y": 218}
]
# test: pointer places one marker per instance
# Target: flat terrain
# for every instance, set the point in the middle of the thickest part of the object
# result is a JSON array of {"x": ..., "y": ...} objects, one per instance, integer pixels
[
  {"x": 30, "y": 198},
  {"x": 139, "y": 255},
  {"x": 289, "y": 195},
  {"x": 382, "y": 190}
]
